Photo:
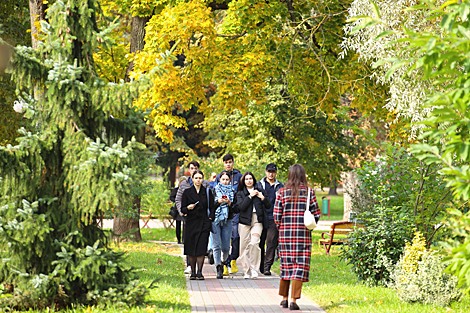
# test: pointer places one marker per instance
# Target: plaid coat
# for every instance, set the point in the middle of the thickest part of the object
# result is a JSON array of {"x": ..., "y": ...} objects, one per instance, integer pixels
[{"x": 295, "y": 240}]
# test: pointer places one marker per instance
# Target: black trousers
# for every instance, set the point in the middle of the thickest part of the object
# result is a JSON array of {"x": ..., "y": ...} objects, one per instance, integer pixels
[
  {"x": 184, "y": 226},
  {"x": 270, "y": 237},
  {"x": 178, "y": 231}
]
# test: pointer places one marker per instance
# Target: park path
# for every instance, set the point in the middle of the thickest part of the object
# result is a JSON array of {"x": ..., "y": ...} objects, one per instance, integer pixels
[{"x": 236, "y": 294}]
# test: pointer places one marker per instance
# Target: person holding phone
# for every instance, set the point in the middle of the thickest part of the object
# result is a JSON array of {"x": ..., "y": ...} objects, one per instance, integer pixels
[
  {"x": 222, "y": 223},
  {"x": 252, "y": 202},
  {"x": 199, "y": 206}
]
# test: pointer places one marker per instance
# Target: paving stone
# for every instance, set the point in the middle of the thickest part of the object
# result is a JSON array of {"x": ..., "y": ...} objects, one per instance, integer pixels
[{"x": 235, "y": 294}]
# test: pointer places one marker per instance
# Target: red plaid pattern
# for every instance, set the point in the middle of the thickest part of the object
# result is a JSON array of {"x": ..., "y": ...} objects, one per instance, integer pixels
[{"x": 295, "y": 240}]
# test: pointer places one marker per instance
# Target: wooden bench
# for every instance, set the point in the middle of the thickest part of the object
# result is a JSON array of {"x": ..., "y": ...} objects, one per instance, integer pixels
[{"x": 339, "y": 228}]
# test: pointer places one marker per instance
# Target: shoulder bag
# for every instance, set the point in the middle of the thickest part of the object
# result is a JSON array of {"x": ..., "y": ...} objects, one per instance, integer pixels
[{"x": 309, "y": 219}]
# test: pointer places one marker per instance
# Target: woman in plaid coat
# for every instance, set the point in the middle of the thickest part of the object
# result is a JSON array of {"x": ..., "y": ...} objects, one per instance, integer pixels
[{"x": 295, "y": 240}]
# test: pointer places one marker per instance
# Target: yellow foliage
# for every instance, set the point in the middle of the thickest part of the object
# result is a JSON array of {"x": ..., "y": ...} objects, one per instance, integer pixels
[
  {"x": 110, "y": 57},
  {"x": 238, "y": 67},
  {"x": 414, "y": 253}
]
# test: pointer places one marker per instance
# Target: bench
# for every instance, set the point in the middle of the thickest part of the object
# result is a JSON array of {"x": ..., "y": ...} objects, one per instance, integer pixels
[{"x": 339, "y": 228}]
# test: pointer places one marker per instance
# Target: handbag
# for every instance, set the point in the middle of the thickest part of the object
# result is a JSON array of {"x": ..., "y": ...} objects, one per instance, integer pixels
[
  {"x": 309, "y": 219},
  {"x": 173, "y": 212}
]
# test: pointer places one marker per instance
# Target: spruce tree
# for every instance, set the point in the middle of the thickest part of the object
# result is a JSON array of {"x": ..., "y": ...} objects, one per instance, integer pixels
[{"x": 58, "y": 179}]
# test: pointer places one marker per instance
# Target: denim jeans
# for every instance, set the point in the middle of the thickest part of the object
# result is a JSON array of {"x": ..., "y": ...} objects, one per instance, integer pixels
[{"x": 221, "y": 242}]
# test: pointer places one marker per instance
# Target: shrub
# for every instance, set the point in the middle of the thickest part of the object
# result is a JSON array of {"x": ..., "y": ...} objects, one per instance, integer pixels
[
  {"x": 399, "y": 180},
  {"x": 379, "y": 243},
  {"x": 419, "y": 276}
]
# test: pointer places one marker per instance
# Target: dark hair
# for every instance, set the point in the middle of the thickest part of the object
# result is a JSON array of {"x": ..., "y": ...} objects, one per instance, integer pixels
[
  {"x": 242, "y": 185},
  {"x": 194, "y": 163},
  {"x": 198, "y": 172},
  {"x": 295, "y": 179},
  {"x": 225, "y": 173},
  {"x": 227, "y": 157}
]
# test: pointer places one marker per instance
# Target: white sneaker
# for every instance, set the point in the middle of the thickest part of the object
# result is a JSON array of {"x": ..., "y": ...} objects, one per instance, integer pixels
[
  {"x": 188, "y": 270},
  {"x": 229, "y": 270},
  {"x": 254, "y": 274},
  {"x": 247, "y": 276}
]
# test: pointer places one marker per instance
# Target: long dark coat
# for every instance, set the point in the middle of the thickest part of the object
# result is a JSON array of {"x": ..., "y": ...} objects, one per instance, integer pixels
[
  {"x": 198, "y": 224},
  {"x": 295, "y": 240}
]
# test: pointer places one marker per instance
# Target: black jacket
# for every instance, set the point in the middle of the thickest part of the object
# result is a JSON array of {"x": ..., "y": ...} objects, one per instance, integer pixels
[{"x": 244, "y": 205}]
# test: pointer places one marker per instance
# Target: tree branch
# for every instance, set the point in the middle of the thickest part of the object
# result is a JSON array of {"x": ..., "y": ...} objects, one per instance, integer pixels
[{"x": 232, "y": 36}]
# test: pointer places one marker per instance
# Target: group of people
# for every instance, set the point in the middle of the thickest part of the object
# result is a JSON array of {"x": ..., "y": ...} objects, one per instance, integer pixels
[{"x": 242, "y": 216}]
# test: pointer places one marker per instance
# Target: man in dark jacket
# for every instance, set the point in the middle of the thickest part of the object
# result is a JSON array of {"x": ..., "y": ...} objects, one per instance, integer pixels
[
  {"x": 234, "y": 181},
  {"x": 185, "y": 184},
  {"x": 270, "y": 234}
]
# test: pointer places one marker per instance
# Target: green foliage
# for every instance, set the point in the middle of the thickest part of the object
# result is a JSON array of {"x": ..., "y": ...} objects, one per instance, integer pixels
[
  {"x": 428, "y": 284},
  {"x": 58, "y": 179},
  {"x": 443, "y": 61},
  {"x": 399, "y": 179},
  {"x": 157, "y": 198},
  {"x": 284, "y": 134},
  {"x": 441, "y": 57},
  {"x": 380, "y": 242},
  {"x": 457, "y": 248}
]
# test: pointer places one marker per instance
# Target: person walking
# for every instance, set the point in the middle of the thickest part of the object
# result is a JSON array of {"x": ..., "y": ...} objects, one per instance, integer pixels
[
  {"x": 270, "y": 234},
  {"x": 185, "y": 184},
  {"x": 199, "y": 206},
  {"x": 222, "y": 223},
  {"x": 295, "y": 240},
  {"x": 231, "y": 264},
  {"x": 252, "y": 203},
  {"x": 178, "y": 218}
]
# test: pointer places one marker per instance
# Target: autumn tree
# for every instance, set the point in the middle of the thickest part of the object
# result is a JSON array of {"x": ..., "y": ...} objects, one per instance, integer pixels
[
  {"x": 240, "y": 48},
  {"x": 60, "y": 177}
]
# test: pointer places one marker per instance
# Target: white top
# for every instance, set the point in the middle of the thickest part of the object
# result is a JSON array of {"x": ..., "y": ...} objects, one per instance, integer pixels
[{"x": 250, "y": 190}]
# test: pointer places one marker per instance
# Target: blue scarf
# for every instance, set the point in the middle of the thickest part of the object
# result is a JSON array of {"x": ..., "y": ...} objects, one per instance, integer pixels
[{"x": 221, "y": 215}]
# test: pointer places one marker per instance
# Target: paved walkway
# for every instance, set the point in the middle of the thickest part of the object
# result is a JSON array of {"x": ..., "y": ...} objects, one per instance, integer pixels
[{"x": 236, "y": 294}]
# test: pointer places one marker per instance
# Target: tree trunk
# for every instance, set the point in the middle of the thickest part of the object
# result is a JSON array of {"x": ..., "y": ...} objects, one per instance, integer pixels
[
  {"x": 333, "y": 188},
  {"x": 122, "y": 225},
  {"x": 137, "y": 38},
  {"x": 172, "y": 172},
  {"x": 349, "y": 183},
  {"x": 37, "y": 12}
]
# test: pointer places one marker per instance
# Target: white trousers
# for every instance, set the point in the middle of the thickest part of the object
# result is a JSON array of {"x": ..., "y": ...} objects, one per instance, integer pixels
[{"x": 250, "y": 252}]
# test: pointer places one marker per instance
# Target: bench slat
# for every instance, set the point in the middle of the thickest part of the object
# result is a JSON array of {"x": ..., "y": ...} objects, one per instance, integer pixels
[
  {"x": 341, "y": 228},
  {"x": 342, "y": 232}
]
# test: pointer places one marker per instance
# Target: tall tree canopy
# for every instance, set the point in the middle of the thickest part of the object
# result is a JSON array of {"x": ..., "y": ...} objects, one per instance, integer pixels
[
  {"x": 58, "y": 179},
  {"x": 241, "y": 49}
]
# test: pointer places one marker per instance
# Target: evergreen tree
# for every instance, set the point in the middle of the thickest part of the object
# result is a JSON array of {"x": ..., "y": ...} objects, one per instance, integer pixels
[{"x": 57, "y": 180}]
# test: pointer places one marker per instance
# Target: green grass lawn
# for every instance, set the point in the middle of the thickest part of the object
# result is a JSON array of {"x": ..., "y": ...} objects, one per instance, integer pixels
[
  {"x": 159, "y": 234},
  {"x": 336, "y": 206},
  {"x": 336, "y": 289}
]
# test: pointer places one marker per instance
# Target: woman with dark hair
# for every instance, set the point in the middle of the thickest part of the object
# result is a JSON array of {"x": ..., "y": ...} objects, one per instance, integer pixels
[
  {"x": 295, "y": 240},
  {"x": 198, "y": 203},
  {"x": 252, "y": 203},
  {"x": 223, "y": 222}
]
